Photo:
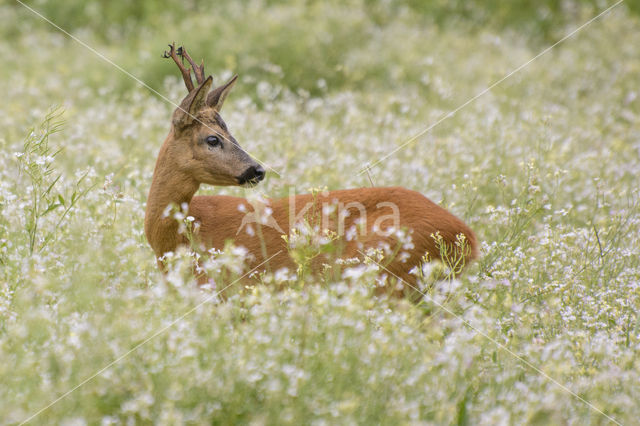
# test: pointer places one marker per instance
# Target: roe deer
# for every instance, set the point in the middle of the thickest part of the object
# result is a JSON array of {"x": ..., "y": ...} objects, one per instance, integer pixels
[{"x": 199, "y": 149}]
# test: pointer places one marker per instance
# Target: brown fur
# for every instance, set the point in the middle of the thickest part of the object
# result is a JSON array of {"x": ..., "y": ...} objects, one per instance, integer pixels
[
  {"x": 185, "y": 161},
  {"x": 220, "y": 218}
]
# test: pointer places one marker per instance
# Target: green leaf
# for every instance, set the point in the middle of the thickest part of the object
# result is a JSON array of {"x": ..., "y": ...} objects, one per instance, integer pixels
[
  {"x": 51, "y": 208},
  {"x": 46, "y": 192}
]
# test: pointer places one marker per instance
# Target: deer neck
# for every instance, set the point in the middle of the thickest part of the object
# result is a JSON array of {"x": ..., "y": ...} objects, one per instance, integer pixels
[{"x": 169, "y": 186}]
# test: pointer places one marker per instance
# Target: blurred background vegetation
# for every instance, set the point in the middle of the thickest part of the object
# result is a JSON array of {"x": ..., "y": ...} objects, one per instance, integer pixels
[{"x": 306, "y": 45}]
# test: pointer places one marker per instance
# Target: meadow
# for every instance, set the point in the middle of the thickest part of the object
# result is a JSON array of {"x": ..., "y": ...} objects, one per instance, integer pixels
[{"x": 542, "y": 329}]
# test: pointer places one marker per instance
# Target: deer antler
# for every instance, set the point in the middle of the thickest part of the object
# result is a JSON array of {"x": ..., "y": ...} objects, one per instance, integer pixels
[
  {"x": 186, "y": 72},
  {"x": 198, "y": 70}
]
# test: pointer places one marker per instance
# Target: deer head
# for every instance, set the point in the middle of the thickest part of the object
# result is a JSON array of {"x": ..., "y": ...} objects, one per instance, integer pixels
[{"x": 200, "y": 144}]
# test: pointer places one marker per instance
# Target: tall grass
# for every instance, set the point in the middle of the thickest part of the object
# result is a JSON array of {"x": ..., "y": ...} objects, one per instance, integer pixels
[{"x": 544, "y": 168}]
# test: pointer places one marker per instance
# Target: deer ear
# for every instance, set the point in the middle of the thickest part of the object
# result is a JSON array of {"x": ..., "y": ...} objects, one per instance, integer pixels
[
  {"x": 191, "y": 104},
  {"x": 216, "y": 97}
]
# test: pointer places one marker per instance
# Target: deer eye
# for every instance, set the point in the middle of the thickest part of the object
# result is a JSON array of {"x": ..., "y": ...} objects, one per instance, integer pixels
[{"x": 213, "y": 141}]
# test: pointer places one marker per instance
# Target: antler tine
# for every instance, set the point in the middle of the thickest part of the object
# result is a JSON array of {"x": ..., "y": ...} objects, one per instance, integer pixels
[
  {"x": 198, "y": 70},
  {"x": 186, "y": 72}
]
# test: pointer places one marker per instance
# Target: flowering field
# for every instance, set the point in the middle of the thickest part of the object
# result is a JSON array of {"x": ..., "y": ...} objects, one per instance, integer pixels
[{"x": 543, "y": 328}]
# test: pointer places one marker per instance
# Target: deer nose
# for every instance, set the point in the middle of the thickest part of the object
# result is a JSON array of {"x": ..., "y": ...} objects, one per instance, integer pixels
[
  {"x": 255, "y": 173},
  {"x": 252, "y": 174},
  {"x": 259, "y": 172}
]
